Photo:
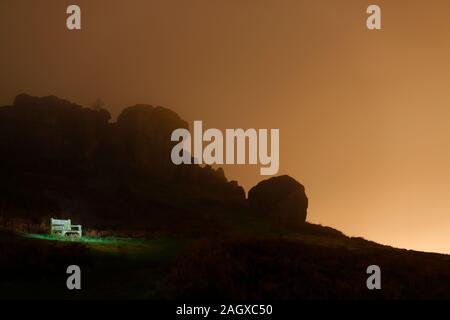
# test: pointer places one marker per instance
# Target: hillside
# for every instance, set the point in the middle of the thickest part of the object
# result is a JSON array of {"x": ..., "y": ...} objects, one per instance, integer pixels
[
  {"x": 153, "y": 230},
  {"x": 313, "y": 263}
]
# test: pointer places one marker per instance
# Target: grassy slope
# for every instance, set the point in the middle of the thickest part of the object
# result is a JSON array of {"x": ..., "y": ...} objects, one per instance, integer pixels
[
  {"x": 111, "y": 268},
  {"x": 314, "y": 262}
]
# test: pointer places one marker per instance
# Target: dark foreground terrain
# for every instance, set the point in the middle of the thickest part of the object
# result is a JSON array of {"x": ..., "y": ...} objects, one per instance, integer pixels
[{"x": 313, "y": 263}]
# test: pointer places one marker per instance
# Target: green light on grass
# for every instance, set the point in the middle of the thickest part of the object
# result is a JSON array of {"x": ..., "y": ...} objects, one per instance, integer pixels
[
  {"x": 82, "y": 239},
  {"x": 131, "y": 248}
]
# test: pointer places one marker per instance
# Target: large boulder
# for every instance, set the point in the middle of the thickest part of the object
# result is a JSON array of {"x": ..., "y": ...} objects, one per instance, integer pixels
[{"x": 281, "y": 199}]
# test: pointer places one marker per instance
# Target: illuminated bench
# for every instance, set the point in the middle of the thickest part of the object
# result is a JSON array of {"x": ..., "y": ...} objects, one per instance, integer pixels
[{"x": 64, "y": 228}]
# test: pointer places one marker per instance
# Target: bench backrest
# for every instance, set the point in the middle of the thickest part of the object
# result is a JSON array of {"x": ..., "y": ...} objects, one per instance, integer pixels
[{"x": 60, "y": 225}]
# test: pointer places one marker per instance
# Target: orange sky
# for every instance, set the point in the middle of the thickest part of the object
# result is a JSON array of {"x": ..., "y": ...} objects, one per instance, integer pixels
[{"x": 364, "y": 116}]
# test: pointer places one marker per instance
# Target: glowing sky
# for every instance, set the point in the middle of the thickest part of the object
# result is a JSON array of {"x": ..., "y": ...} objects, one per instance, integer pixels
[{"x": 364, "y": 116}]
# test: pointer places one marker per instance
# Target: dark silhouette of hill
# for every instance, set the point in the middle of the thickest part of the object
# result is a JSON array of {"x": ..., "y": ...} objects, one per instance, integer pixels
[{"x": 65, "y": 160}]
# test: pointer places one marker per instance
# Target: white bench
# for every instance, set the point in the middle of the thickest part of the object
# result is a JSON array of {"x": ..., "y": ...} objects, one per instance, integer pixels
[{"x": 64, "y": 228}]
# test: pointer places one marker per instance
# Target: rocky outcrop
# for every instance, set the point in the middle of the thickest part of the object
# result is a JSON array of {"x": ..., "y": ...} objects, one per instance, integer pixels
[
  {"x": 59, "y": 156},
  {"x": 281, "y": 199}
]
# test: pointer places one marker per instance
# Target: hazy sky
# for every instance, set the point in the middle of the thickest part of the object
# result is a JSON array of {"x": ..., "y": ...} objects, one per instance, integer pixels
[{"x": 364, "y": 116}]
